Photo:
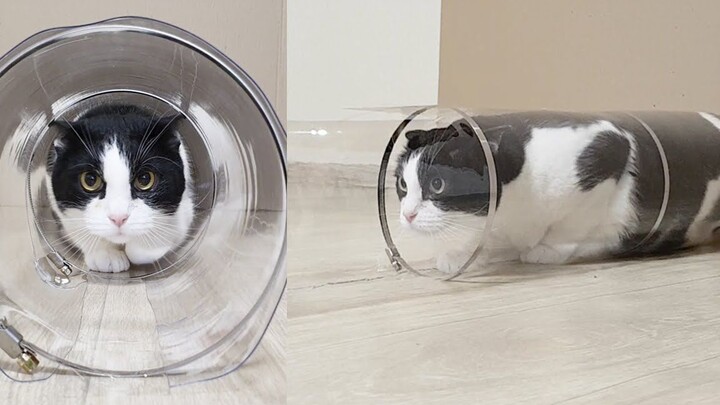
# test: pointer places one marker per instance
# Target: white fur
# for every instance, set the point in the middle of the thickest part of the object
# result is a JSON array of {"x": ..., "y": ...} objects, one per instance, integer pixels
[
  {"x": 543, "y": 217},
  {"x": 145, "y": 237},
  {"x": 547, "y": 217},
  {"x": 428, "y": 216},
  {"x": 702, "y": 228},
  {"x": 711, "y": 118}
]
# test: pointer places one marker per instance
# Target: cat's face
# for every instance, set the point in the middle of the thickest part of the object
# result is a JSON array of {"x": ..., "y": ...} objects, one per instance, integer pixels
[
  {"x": 118, "y": 173},
  {"x": 441, "y": 173}
]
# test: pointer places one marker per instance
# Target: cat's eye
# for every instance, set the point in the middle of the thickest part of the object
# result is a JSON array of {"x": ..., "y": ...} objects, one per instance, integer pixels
[
  {"x": 144, "y": 181},
  {"x": 91, "y": 181},
  {"x": 402, "y": 185},
  {"x": 437, "y": 185}
]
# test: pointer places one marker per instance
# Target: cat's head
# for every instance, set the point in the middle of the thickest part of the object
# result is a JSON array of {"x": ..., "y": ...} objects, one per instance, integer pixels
[
  {"x": 441, "y": 171},
  {"x": 119, "y": 171}
]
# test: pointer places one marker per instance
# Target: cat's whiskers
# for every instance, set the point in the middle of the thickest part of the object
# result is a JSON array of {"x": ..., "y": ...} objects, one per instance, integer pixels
[
  {"x": 461, "y": 219},
  {"x": 168, "y": 232},
  {"x": 91, "y": 151},
  {"x": 63, "y": 220},
  {"x": 443, "y": 235},
  {"x": 144, "y": 150},
  {"x": 74, "y": 256},
  {"x": 197, "y": 204},
  {"x": 147, "y": 241},
  {"x": 69, "y": 236},
  {"x": 449, "y": 231},
  {"x": 73, "y": 232},
  {"x": 162, "y": 158},
  {"x": 150, "y": 128},
  {"x": 86, "y": 239},
  {"x": 155, "y": 233},
  {"x": 461, "y": 227},
  {"x": 94, "y": 242},
  {"x": 439, "y": 145}
]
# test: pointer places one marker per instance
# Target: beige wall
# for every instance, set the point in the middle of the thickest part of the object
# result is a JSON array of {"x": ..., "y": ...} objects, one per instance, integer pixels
[
  {"x": 361, "y": 53},
  {"x": 251, "y": 32},
  {"x": 580, "y": 55}
]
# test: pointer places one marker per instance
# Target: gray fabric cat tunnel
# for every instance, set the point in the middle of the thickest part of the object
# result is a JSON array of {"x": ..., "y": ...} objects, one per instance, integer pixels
[
  {"x": 459, "y": 192},
  {"x": 199, "y": 311}
]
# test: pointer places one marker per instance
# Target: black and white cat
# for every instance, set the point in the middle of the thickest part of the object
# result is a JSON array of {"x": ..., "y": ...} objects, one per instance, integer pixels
[
  {"x": 569, "y": 188},
  {"x": 119, "y": 182}
]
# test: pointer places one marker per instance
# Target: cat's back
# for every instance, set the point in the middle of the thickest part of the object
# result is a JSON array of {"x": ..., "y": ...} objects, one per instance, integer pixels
[{"x": 557, "y": 153}]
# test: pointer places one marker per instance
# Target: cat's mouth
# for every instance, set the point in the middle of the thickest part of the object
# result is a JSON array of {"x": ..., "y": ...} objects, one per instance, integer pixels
[{"x": 119, "y": 238}]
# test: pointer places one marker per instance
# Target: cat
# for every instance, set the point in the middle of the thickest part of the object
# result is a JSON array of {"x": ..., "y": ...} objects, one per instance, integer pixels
[
  {"x": 119, "y": 183},
  {"x": 569, "y": 186}
]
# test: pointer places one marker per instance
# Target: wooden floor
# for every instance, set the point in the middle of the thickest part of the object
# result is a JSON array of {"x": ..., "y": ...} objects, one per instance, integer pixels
[
  {"x": 123, "y": 325},
  {"x": 622, "y": 332},
  {"x": 261, "y": 381}
]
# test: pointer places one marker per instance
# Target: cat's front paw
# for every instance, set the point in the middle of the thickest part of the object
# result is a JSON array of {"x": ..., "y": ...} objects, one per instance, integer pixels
[
  {"x": 107, "y": 260},
  {"x": 451, "y": 262},
  {"x": 544, "y": 254}
]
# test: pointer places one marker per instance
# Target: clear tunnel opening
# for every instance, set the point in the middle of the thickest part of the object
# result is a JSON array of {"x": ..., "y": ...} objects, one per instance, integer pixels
[
  {"x": 197, "y": 312},
  {"x": 202, "y": 182},
  {"x": 437, "y": 193}
]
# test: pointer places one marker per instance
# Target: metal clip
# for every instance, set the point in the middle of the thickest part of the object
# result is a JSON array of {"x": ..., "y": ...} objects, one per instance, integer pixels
[
  {"x": 393, "y": 260},
  {"x": 11, "y": 343},
  {"x": 54, "y": 269},
  {"x": 60, "y": 263}
]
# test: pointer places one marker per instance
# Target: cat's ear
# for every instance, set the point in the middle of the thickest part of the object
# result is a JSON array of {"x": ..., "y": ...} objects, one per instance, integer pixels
[
  {"x": 165, "y": 130},
  {"x": 494, "y": 142},
  {"x": 466, "y": 130},
  {"x": 418, "y": 137},
  {"x": 64, "y": 126},
  {"x": 58, "y": 144},
  {"x": 167, "y": 125}
]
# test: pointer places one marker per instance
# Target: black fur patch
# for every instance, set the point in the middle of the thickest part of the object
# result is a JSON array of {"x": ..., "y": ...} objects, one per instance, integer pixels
[
  {"x": 147, "y": 142},
  {"x": 454, "y": 155},
  {"x": 691, "y": 145},
  {"x": 606, "y": 157}
]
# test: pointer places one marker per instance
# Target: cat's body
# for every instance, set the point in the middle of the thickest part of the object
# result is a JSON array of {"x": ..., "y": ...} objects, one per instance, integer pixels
[
  {"x": 569, "y": 189},
  {"x": 119, "y": 182}
]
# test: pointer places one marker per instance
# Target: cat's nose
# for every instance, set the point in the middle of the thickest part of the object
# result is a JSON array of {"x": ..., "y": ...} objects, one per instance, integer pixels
[
  {"x": 411, "y": 216},
  {"x": 118, "y": 220}
]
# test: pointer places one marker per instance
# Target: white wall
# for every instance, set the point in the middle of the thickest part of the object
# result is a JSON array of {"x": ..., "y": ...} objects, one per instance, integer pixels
[{"x": 360, "y": 53}]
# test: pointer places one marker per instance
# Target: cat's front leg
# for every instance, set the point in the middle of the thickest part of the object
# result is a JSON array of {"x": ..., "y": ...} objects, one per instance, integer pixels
[
  {"x": 140, "y": 253},
  {"x": 105, "y": 257},
  {"x": 496, "y": 250},
  {"x": 546, "y": 254},
  {"x": 449, "y": 262}
]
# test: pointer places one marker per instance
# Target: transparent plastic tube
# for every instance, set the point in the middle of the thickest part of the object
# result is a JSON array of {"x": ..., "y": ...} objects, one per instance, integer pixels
[
  {"x": 546, "y": 187},
  {"x": 198, "y": 312}
]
